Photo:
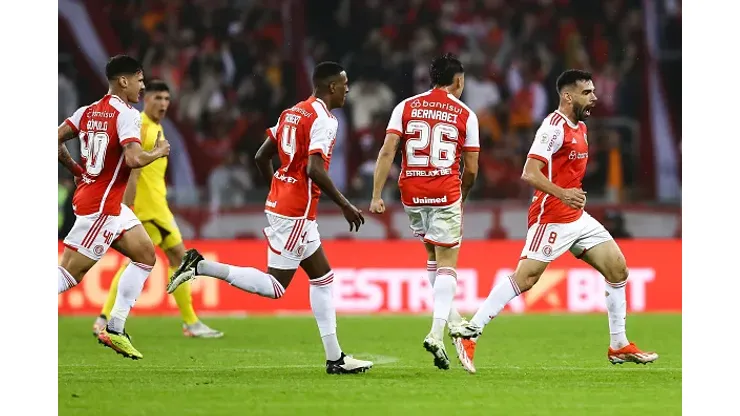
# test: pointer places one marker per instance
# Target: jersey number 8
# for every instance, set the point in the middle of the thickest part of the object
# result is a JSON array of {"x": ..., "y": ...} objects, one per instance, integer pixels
[
  {"x": 93, "y": 147},
  {"x": 440, "y": 140}
]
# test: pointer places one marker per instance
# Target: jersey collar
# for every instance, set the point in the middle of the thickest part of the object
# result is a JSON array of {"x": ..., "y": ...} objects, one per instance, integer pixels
[{"x": 567, "y": 120}]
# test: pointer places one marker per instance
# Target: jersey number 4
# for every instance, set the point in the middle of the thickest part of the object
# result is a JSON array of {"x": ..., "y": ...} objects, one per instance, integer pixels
[
  {"x": 93, "y": 147},
  {"x": 440, "y": 142}
]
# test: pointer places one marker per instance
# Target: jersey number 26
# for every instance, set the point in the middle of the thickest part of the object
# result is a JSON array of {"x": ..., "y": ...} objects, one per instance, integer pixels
[{"x": 440, "y": 141}]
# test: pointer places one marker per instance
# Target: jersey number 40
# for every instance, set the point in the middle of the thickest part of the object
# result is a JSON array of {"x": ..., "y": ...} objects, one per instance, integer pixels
[
  {"x": 440, "y": 143},
  {"x": 93, "y": 147}
]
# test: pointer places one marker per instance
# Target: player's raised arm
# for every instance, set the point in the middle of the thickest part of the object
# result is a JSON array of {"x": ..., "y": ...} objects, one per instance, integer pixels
[
  {"x": 129, "y": 132},
  {"x": 547, "y": 141},
  {"x": 263, "y": 158},
  {"x": 471, "y": 150}
]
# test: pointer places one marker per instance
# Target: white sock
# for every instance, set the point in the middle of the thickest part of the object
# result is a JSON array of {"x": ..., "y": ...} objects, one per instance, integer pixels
[
  {"x": 247, "y": 279},
  {"x": 500, "y": 295},
  {"x": 455, "y": 317},
  {"x": 616, "y": 307},
  {"x": 129, "y": 288},
  {"x": 322, "y": 304},
  {"x": 65, "y": 281},
  {"x": 445, "y": 284}
]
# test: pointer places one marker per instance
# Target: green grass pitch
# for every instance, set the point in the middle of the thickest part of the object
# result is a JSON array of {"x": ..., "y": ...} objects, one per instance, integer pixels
[{"x": 527, "y": 365}]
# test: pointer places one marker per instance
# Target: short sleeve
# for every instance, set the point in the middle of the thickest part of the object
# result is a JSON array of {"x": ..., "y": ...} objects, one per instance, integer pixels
[
  {"x": 472, "y": 134},
  {"x": 323, "y": 132},
  {"x": 395, "y": 124},
  {"x": 128, "y": 127},
  {"x": 547, "y": 141},
  {"x": 74, "y": 120},
  {"x": 272, "y": 131}
]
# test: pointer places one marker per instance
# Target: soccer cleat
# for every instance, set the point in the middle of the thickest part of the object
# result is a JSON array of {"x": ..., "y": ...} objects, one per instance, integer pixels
[
  {"x": 465, "y": 349},
  {"x": 186, "y": 271},
  {"x": 437, "y": 348},
  {"x": 347, "y": 365},
  {"x": 200, "y": 330},
  {"x": 120, "y": 343},
  {"x": 100, "y": 323},
  {"x": 467, "y": 330},
  {"x": 630, "y": 353}
]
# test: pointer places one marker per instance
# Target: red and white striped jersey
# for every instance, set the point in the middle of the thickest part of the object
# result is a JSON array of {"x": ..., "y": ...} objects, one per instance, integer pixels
[
  {"x": 306, "y": 128},
  {"x": 563, "y": 147},
  {"x": 103, "y": 127},
  {"x": 435, "y": 128}
]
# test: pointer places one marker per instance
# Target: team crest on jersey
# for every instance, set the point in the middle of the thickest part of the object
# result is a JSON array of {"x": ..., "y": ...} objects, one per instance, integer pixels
[
  {"x": 547, "y": 250},
  {"x": 98, "y": 250},
  {"x": 415, "y": 104}
]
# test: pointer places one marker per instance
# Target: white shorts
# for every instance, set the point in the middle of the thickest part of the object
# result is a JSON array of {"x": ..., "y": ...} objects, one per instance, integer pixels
[
  {"x": 546, "y": 242},
  {"x": 92, "y": 235},
  {"x": 290, "y": 241},
  {"x": 441, "y": 226}
]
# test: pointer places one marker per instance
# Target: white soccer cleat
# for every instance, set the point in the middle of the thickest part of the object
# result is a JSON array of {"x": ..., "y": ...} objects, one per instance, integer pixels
[
  {"x": 467, "y": 330},
  {"x": 437, "y": 348},
  {"x": 347, "y": 365},
  {"x": 178, "y": 279},
  {"x": 200, "y": 330}
]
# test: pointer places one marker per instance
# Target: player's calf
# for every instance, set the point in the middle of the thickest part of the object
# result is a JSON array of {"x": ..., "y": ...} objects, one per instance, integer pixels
[{"x": 72, "y": 269}]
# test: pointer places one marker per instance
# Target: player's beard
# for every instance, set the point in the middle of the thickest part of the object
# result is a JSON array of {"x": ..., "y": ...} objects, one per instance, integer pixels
[{"x": 580, "y": 112}]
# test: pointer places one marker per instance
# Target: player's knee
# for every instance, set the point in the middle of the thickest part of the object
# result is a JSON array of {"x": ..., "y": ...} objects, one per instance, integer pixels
[
  {"x": 619, "y": 274},
  {"x": 146, "y": 255}
]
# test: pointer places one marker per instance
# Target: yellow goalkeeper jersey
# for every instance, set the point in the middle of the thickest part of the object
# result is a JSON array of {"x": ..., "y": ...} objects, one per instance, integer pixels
[{"x": 151, "y": 192}]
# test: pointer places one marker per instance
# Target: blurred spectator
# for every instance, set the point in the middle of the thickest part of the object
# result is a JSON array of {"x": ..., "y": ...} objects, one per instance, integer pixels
[
  {"x": 614, "y": 223},
  {"x": 369, "y": 96},
  {"x": 229, "y": 182}
]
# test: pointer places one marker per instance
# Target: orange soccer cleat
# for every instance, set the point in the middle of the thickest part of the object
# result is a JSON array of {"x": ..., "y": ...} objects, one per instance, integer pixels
[
  {"x": 630, "y": 353},
  {"x": 465, "y": 349}
]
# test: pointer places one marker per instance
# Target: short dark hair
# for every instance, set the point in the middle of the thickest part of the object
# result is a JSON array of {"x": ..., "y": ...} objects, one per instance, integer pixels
[
  {"x": 121, "y": 65},
  {"x": 157, "y": 85},
  {"x": 570, "y": 77},
  {"x": 443, "y": 69},
  {"x": 323, "y": 71}
]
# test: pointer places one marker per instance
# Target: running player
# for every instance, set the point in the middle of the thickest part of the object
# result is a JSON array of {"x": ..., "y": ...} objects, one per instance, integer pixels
[
  {"x": 109, "y": 132},
  {"x": 555, "y": 167},
  {"x": 146, "y": 195},
  {"x": 436, "y": 129},
  {"x": 303, "y": 138}
]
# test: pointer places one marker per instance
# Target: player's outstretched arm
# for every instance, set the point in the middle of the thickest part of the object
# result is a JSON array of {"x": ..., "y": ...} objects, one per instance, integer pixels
[
  {"x": 65, "y": 133},
  {"x": 574, "y": 198},
  {"x": 318, "y": 174},
  {"x": 470, "y": 172},
  {"x": 382, "y": 169},
  {"x": 263, "y": 159},
  {"x": 136, "y": 157}
]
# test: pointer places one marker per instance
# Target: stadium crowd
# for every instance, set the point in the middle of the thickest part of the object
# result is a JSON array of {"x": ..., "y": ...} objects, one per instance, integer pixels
[{"x": 230, "y": 76}]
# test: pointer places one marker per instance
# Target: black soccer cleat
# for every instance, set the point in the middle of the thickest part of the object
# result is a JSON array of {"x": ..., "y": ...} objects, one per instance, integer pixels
[
  {"x": 347, "y": 365},
  {"x": 186, "y": 270}
]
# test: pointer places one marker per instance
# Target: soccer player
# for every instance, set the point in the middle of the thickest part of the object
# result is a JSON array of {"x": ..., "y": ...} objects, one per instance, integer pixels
[
  {"x": 303, "y": 138},
  {"x": 146, "y": 195},
  {"x": 555, "y": 167},
  {"x": 109, "y": 132},
  {"x": 436, "y": 130}
]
